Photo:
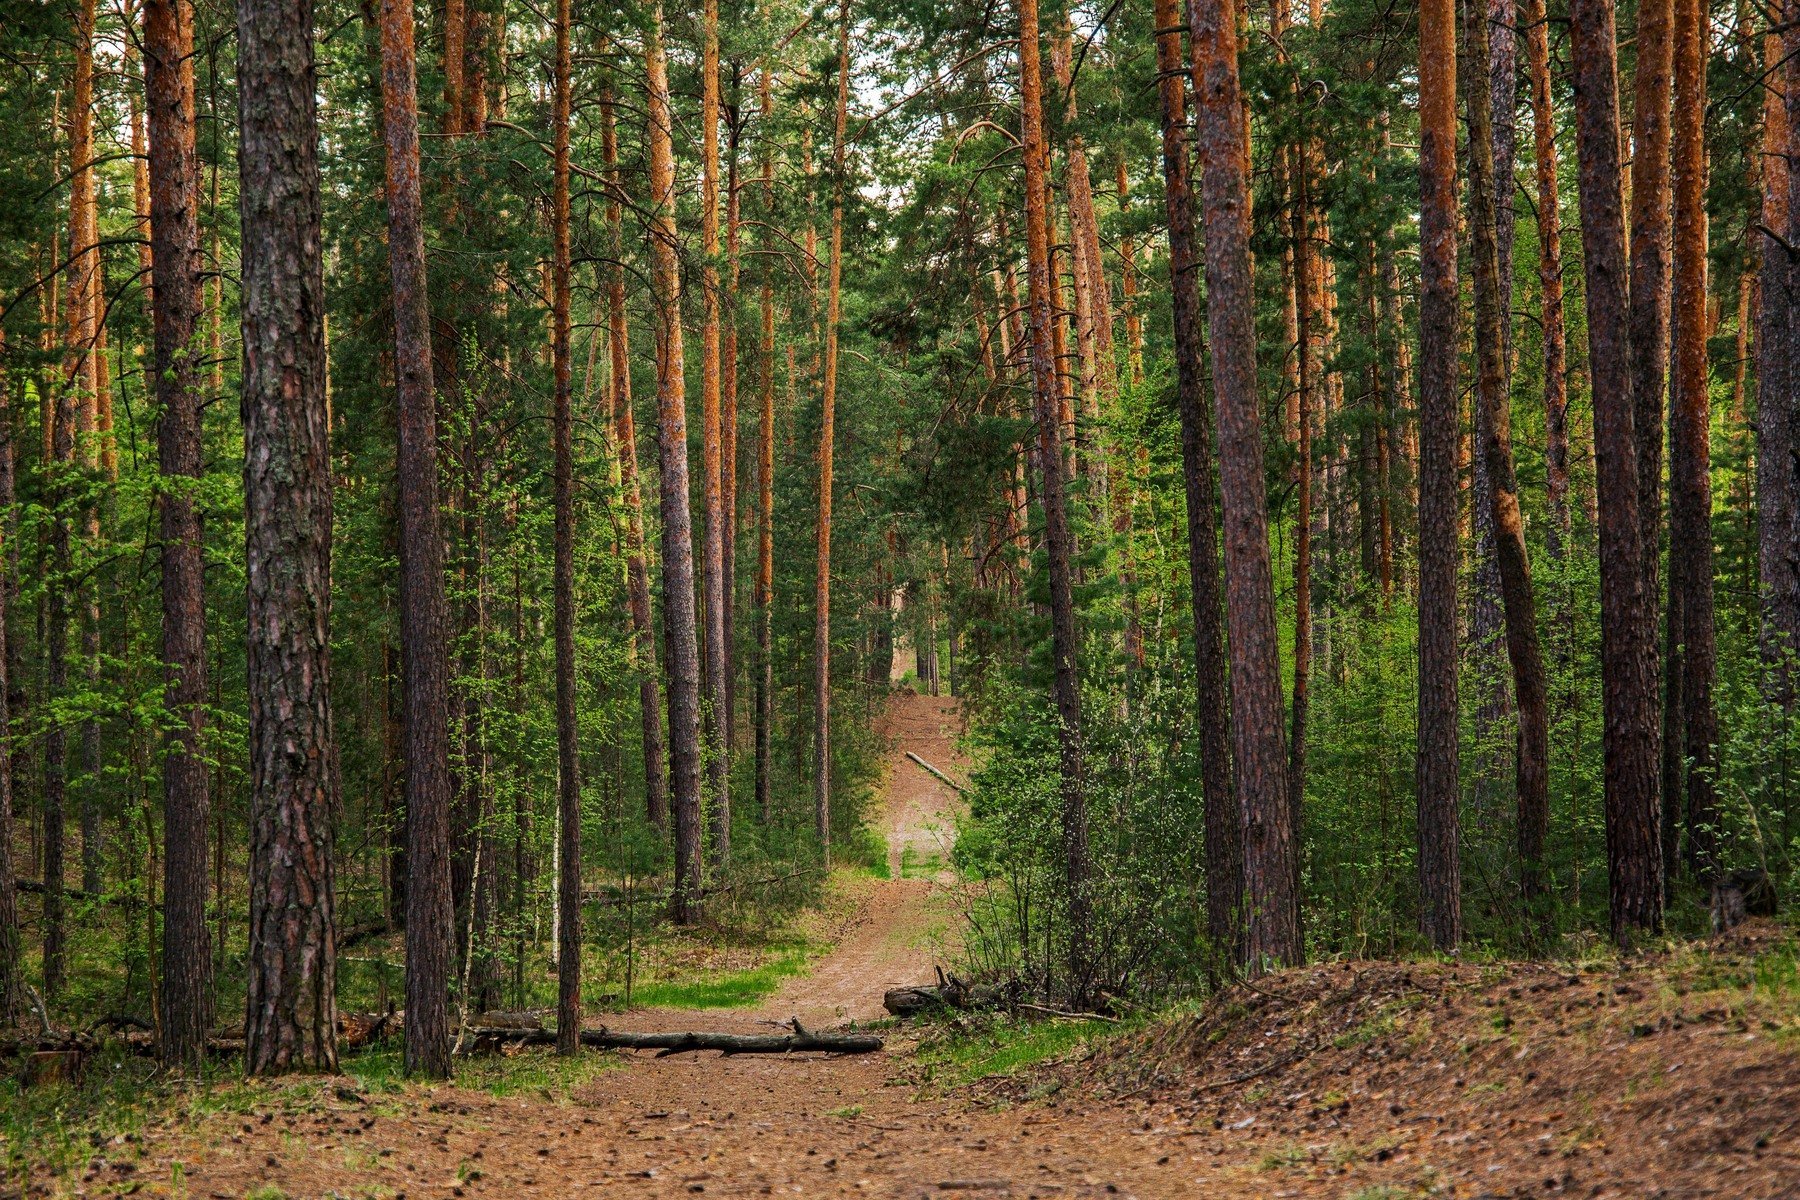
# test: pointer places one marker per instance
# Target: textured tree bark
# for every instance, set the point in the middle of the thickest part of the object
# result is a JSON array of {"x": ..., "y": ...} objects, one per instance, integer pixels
[
  {"x": 1128, "y": 288},
  {"x": 1058, "y": 543},
  {"x": 637, "y": 572},
  {"x": 1649, "y": 281},
  {"x": 1777, "y": 489},
  {"x": 424, "y": 662},
  {"x": 1550, "y": 284},
  {"x": 290, "y": 1010},
  {"x": 1627, "y": 613},
  {"x": 1306, "y": 293},
  {"x": 1440, "y": 870},
  {"x": 765, "y": 478},
  {"x": 1259, "y": 752},
  {"x": 1494, "y": 420},
  {"x": 827, "y": 436},
  {"x": 562, "y": 436},
  {"x": 679, "y": 634},
  {"x": 1690, "y": 479},
  {"x": 712, "y": 558},
  {"x": 175, "y": 249},
  {"x": 728, "y": 425},
  {"x": 12, "y": 991},
  {"x": 1224, "y": 852}
]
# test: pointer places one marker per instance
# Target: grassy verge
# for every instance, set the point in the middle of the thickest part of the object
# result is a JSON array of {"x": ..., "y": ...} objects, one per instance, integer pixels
[
  {"x": 1003, "y": 1045},
  {"x": 728, "y": 989}
]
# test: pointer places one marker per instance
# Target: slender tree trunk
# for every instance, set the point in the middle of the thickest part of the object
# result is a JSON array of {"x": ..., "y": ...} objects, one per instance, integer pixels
[
  {"x": 1627, "y": 613},
  {"x": 728, "y": 428},
  {"x": 1550, "y": 284},
  {"x": 1224, "y": 853},
  {"x": 424, "y": 662},
  {"x": 765, "y": 477},
  {"x": 1305, "y": 294},
  {"x": 827, "y": 436},
  {"x": 1058, "y": 542},
  {"x": 290, "y": 1010},
  {"x": 637, "y": 572},
  {"x": 1494, "y": 420},
  {"x": 679, "y": 634},
  {"x": 1777, "y": 489},
  {"x": 1259, "y": 755},
  {"x": 12, "y": 979},
  {"x": 1690, "y": 486},
  {"x": 562, "y": 435},
  {"x": 712, "y": 558},
  {"x": 1440, "y": 871},
  {"x": 175, "y": 246}
]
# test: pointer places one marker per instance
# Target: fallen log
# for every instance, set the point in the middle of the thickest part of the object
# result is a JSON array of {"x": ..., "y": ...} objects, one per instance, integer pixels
[
  {"x": 802, "y": 1040},
  {"x": 940, "y": 776}
]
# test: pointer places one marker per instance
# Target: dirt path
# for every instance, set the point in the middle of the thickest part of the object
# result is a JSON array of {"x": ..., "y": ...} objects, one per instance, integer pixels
[{"x": 746, "y": 1126}]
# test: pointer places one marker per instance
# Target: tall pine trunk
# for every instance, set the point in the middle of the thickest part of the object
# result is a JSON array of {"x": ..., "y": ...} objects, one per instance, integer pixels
[
  {"x": 712, "y": 557},
  {"x": 424, "y": 661},
  {"x": 1494, "y": 421},
  {"x": 679, "y": 633},
  {"x": 290, "y": 1010},
  {"x": 1224, "y": 854},
  {"x": 827, "y": 437},
  {"x": 1690, "y": 458},
  {"x": 12, "y": 979},
  {"x": 1627, "y": 610},
  {"x": 765, "y": 478},
  {"x": 175, "y": 248},
  {"x": 1440, "y": 871},
  {"x": 1550, "y": 283},
  {"x": 1058, "y": 539},
  {"x": 637, "y": 572},
  {"x": 562, "y": 437},
  {"x": 1777, "y": 488}
]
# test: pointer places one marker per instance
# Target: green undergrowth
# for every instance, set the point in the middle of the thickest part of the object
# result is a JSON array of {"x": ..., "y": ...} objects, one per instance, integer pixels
[
  {"x": 972, "y": 1049},
  {"x": 729, "y": 989}
]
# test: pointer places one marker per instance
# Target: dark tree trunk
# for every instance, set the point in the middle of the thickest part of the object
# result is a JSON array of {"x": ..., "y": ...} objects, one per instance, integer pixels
[
  {"x": 827, "y": 438},
  {"x": 765, "y": 481},
  {"x": 1494, "y": 421},
  {"x": 1550, "y": 284},
  {"x": 1777, "y": 488},
  {"x": 1259, "y": 753},
  {"x": 679, "y": 634},
  {"x": 1224, "y": 853},
  {"x": 1627, "y": 613},
  {"x": 1690, "y": 479},
  {"x": 175, "y": 250},
  {"x": 1058, "y": 541},
  {"x": 290, "y": 1010},
  {"x": 424, "y": 656},
  {"x": 562, "y": 436},
  {"x": 1649, "y": 273},
  {"x": 637, "y": 572},
  {"x": 1440, "y": 870}
]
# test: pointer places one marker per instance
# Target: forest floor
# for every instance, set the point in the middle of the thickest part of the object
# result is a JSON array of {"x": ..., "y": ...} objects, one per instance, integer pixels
[{"x": 1670, "y": 1075}]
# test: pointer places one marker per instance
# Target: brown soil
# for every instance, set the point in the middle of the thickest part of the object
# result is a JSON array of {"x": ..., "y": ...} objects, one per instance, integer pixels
[{"x": 1355, "y": 1081}]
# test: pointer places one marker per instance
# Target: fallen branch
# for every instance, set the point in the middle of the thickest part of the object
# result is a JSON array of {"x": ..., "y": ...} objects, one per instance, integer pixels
[
  {"x": 1066, "y": 1015},
  {"x": 948, "y": 782},
  {"x": 687, "y": 1041}
]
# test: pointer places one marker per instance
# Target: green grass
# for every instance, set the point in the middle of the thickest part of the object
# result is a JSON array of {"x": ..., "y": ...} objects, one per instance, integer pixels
[
  {"x": 1007, "y": 1046},
  {"x": 914, "y": 865},
  {"x": 540, "y": 1074},
  {"x": 730, "y": 989}
]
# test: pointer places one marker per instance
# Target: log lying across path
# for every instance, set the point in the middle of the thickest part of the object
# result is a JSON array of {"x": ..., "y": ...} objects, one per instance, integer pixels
[{"x": 801, "y": 1040}]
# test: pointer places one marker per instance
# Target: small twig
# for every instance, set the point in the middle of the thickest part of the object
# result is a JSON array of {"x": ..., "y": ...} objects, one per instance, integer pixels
[{"x": 1066, "y": 1014}]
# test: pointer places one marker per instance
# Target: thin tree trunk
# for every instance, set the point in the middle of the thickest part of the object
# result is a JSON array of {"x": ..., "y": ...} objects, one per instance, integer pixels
[
  {"x": 424, "y": 664},
  {"x": 1690, "y": 485},
  {"x": 1550, "y": 285},
  {"x": 728, "y": 428},
  {"x": 1306, "y": 293},
  {"x": 1494, "y": 405},
  {"x": 712, "y": 558},
  {"x": 12, "y": 979},
  {"x": 175, "y": 247},
  {"x": 1440, "y": 872},
  {"x": 637, "y": 572},
  {"x": 1058, "y": 542},
  {"x": 1649, "y": 273},
  {"x": 679, "y": 634},
  {"x": 290, "y": 1010},
  {"x": 562, "y": 435},
  {"x": 827, "y": 436},
  {"x": 765, "y": 477},
  {"x": 1224, "y": 853},
  {"x": 1627, "y": 614}
]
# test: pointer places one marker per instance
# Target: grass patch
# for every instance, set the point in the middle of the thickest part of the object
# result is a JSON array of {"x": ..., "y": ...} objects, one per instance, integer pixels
[
  {"x": 914, "y": 865},
  {"x": 1005, "y": 1047},
  {"x": 729, "y": 989},
  {"x": 539, "y": 1073}
]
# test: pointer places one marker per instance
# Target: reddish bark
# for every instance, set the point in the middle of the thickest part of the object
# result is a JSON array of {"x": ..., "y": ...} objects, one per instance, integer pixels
[{"x": 712, "y": 559}]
